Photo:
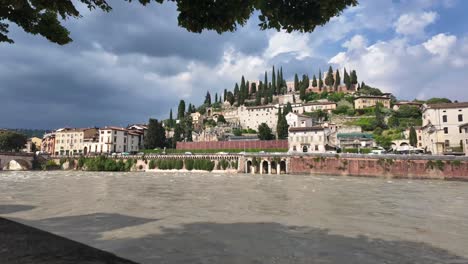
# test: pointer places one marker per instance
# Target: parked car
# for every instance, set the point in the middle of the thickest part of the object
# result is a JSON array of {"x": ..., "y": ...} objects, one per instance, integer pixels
[
  {"x": 222, "y": 153},
  {"x": 188, "y": 153},
  {"x": 125, "y": 154}
]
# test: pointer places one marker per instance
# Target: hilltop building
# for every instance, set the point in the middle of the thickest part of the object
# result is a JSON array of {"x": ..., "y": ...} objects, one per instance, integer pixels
[
  {"x": 441, "y": 131},
  {"x": 365, "y": 101}
]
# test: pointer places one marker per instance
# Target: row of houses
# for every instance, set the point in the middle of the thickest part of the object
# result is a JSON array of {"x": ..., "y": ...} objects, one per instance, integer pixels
[{"x": 84, "y": 141}]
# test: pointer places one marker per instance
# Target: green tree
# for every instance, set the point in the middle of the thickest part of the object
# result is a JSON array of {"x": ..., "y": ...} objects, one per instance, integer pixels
[
  {"x": 264, "y": 132},
  {"x": 436, "y": 100},
  {"x": 155, "y": 135},
  {"x": 288, "y": 109},
  {"x": 379, "y": 116},
  {"x": 273, "y": 80},
  {"x": 337, "y": 80},
  {"x": 45, "y": 18},
  {"x": 282, "y": 126},
  {"x": 187, "y": 127},
  {"x": 178, "y": 134},
  {"x": 346, "y": 79},
  {"x": 171, "y": 119},
  {"x": 230, "y": 98},
  {"x": 12, "y": 141},
  {"x": 353, "y": 77},
  {"x": 221, "y": 119},
  {"x": 329, "y": 80},
  {"x": 296, "y": 82},
  {"x": 320, "y": 84},
  {"x": 266, "y": 81},
  {"x": 413, "y": 138},
  {"x": 207, "y": 99},
  {"x": 181, "y": 110},
  {"x": 314, "y": 81},
  {"x": 236, "y": 91},
  {"x": 216, "y": 97},
  {"x": 224, "y": 95},
  {"x": 258, "y": 98}
]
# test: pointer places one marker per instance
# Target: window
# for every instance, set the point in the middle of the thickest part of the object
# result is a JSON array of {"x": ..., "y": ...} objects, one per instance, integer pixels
[
  {"x": 316, "y": 148},
  {"x": 460, "y": 118},
  {"x": 115, "y": 139},
  {"x": 445, "y": 130},
  {"x": 447, "y": 142},
  {"x": 444, "y": 118}
]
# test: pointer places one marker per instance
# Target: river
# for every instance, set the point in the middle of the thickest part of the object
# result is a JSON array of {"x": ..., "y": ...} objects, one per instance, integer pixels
[{"x": 236, "y": 218}]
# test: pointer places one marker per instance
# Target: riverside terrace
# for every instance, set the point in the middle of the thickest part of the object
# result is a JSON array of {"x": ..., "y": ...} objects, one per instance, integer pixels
[{"x": 386, "y": 165}]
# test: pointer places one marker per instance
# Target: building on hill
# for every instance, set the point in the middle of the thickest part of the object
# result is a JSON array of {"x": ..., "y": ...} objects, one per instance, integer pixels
[
  {"x": 397, "y": 105},
  {"x": 252, "y": 117},
  {"x": 316, "y": 89},
  {"x": 308, "y": 139},
  {"x": 441, "y": 131},
  {"x": 206, "y": 135},
  {"x": 299, "y": 120},
  {"x": 140, "y": 130},
  {"x": 365, "y": 101}
]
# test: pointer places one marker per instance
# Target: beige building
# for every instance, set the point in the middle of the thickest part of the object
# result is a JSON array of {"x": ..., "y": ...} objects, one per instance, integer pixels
[
  {"x": 71, "y": 141},
  {"x": 252, "y": 117},
  {"x": 441, "y": 131},
  {"x": 48, "y": 143},
  {"x": 115, "y": 140},
  {"x": 308, "y": 139},
  {"x": 397, "y": 105},
  {"x": 365, "y": 101}
]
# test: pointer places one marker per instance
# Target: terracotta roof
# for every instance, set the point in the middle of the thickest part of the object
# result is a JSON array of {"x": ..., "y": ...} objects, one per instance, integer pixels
[
  {"x": 319, "y": 103},
  {"x": 447, "y": 105},
  {"x": 114, "y": 128},
  {"x": 305, "y": 129}
]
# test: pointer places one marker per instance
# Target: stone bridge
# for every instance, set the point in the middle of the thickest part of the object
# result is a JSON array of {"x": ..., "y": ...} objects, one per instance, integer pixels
[{"x": 16, "y": 161}]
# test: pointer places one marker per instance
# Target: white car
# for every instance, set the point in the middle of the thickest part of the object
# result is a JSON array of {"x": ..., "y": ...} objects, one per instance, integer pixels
[{"x": 188, "y": 153}]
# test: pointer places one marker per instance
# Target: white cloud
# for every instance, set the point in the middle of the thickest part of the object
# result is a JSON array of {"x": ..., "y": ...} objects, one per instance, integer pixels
[
  {"x": 356, "y": 42},
  {"x": 436, "y": 67},
  {"x": 413, "y": 24},
  {"x": 440, "y": 44},
  {"x": 282, "y": 42}
]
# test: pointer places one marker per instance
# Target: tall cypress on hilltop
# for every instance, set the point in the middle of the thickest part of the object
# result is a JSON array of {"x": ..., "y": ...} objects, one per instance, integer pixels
[
  {"x": 346, "y": 79},
  {"x": 353, "y": 77},
  {"x": 320, "y": 84},
  {"x": 247, "y": 90},
  {"x": 236, "y": 93},
  {"x": 265, "y": 83},
  {"x": 296, "y": 82},
  {"x": 413, "y": 138},
  {"x": 314, "y": 81},
  {"x": 278, "y": 82},
  {"x": 224, "y": 95},
  {"x": 329, "y": 80},
  {"x": 337, "y": 80},
  {"x": 273, "y": 80},
  {"x": 171, "y": 119},
  {"x": 253, "y": 89},
  {"x": 208, "y": 98}
]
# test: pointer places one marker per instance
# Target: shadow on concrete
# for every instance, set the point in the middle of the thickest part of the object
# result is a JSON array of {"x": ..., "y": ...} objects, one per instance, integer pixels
[
  {"x": 23, "y": 244},
  {"x": 13, "y": 208},
  {"x": 240, "y": 243},
  {"x": 273, "y": 243},
  {"x": 85, "y": 228}
]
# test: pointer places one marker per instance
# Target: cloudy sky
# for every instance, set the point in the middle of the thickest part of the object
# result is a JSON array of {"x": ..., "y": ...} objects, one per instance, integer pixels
[{"x": 135, "y": 63}]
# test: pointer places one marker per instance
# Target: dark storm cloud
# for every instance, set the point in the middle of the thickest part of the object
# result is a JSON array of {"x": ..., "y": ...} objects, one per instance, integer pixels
[{"x": 122, "y": 67}]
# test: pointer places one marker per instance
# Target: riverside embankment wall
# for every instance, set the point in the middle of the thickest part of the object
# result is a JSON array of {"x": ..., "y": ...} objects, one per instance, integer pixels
[
  {"x": 400, "y": 167},
  {"x": 255, "y": 144}
]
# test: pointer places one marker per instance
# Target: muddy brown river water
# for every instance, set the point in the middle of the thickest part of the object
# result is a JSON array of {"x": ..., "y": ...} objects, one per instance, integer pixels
[{"x": 236, "y": 218}]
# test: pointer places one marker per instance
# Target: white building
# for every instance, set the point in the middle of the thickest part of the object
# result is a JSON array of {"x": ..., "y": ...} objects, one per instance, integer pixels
[
  {"x": 441, "y": 131},
  {"x": 252, "y": 117},
  {"x": 115, "y": 140},
  {"x": 298, "y": 120},
  {"x": 325, "y": 106},
  {"x": 308, "y": 139},
  {"x": 464, "y": 130}
]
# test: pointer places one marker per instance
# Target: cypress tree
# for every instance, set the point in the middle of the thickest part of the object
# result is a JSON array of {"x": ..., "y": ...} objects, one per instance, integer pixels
[
  {"x": 288, "y": 109},
  {"x": 171, "y": 119},
  {"x": 224, "y": 95},
  {"x": 270, "y": 93},
  {"x": 278, "y": 82},
  {"x": 273, "y": 80},
  {"x": 337, "y": 80},
  {"x": 208, "y": 98},
  {"x": 413, "y": 138},
  {"x": 216, "y": 97},
  {"x": 346, "y": 79},
  {"x": 181, "y": 110},
  {"x": 296, "y": 82},
  {"x": 247, "y": 90},
  {"x": 265, "y": 83},
  {"x": 353, "y": 77},
  {"x": 282, "y": 126},
  {"x": 320, "y": 81},
  {"x": 314, "y": 81},
  {"x": 236, "y": 93},
  {"x": 329, "y": 80},
  {"x": 258, "y": 98}
]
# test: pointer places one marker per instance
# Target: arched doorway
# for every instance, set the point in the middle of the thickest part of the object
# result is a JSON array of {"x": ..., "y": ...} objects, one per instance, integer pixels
[
  {"x": 274, "y": 167},
  {"x": 304, "y": 149},
  {"x": 265, "y": 167},
  {"x": 249, "y": 167},
  {"x": 283, "y": 167},
  {"x": 85, "y": 151}
]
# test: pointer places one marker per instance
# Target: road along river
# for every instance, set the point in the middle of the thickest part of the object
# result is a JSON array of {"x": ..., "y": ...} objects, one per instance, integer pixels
[{"x": 237, "y": 218}]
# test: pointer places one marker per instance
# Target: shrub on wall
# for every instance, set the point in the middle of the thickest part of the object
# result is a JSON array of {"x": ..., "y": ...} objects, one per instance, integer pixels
[
  {"x": 152, "y": 164},
  {"x": 189, "y": 164}
]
